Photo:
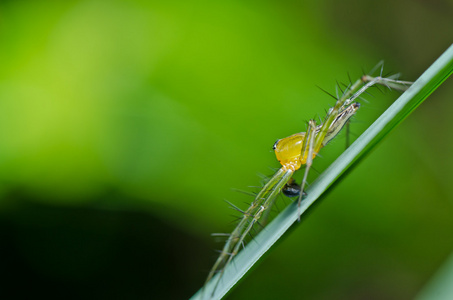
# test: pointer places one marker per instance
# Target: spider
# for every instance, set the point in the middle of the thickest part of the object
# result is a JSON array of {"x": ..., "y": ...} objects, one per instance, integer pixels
[{"x": 293, "y": 152}]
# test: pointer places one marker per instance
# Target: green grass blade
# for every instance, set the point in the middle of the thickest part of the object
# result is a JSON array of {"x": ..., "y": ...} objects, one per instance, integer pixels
[
  {"x": 396, "y": 113},
  {"x": 439, "y": 287}
]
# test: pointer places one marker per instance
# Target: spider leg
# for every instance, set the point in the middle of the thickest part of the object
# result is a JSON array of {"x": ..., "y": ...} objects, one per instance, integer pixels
[
  {"x": 307, "y": 153},
  {"x": 347, "y": 134}
]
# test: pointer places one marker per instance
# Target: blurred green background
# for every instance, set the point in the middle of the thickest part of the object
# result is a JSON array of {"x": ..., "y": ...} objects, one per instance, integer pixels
[{"x": 124, "y": 124}]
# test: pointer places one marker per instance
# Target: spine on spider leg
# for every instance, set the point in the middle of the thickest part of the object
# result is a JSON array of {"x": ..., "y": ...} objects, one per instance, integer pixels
[{"x": 251, "y": 216}]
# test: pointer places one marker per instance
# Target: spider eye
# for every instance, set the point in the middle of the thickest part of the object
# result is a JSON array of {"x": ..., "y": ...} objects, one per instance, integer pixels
[{"x": 275, "y": 145}]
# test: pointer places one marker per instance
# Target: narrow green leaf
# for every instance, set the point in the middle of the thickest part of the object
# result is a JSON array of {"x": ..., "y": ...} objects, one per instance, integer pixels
[
  {"x": 439, "y": 287},
  {"x": 439, "y": 71}
]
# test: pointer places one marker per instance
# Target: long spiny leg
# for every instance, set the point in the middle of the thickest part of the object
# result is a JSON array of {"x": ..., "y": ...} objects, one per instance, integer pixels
[
  {"x": 266, "y": 213},
  {"x": 238, "y": 243},
  {"x": 262, "y": 209},
  {"x": 386, "y": 81},
  {"x": 250, "y": 217},
  {"x": 347, "y": 128},
  {"x": 307, "y": 153}
]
